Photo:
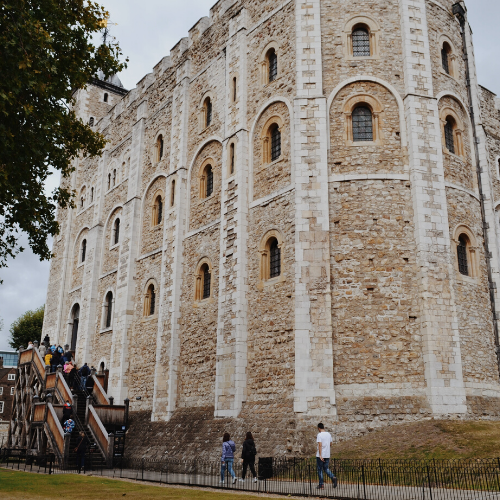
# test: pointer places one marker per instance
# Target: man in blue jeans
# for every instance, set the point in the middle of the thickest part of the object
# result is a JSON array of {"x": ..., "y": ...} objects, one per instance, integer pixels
[{"x": 324, "y": 439}]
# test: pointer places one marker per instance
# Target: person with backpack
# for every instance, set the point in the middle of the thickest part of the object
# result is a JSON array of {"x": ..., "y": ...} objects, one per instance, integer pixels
[
  {"x": 55, "y": 361},
  {"x": 84, "y": 373},
  {"x": 248, "y": 457},
  {"x": 69, "y": 425},
  {"x": 80, "y": 450},
  {"x": 228, "y": 449},
  {"x": 67, "y": 412}
]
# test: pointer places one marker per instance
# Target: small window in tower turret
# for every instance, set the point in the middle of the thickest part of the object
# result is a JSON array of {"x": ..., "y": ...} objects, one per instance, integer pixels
[{"x": 105, "y": 97}]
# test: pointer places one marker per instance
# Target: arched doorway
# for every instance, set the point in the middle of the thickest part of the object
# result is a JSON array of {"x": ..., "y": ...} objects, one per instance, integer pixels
[{"x": 75, "y": 315}]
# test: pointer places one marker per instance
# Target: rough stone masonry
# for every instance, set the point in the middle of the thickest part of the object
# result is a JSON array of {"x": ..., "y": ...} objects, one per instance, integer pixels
[{"x": 295, "y": 219}]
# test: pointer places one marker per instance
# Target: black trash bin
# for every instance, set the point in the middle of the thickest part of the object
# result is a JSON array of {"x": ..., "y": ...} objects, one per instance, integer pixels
[{"x": 265, "y": 467}]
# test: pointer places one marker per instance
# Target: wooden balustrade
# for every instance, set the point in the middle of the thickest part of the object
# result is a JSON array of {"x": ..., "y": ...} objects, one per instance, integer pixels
[
  {"x": 55, "y": 428},
  {"x": 63, "y": 389},
  {"x": 39, "y": 362},
  {"x": 98, "y": 430},
  {"x": 39, "y": 413},
  {"x": 111, "y": 415},
  {"x": 98, "y": 392},
  {"x": 50, "y": 381},
  {"x": 26, "y": 356}
]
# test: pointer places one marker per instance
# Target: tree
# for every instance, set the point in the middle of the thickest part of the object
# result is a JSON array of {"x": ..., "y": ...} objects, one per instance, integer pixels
[
  {"x": 46, "y": 54},
  {"x": 27, "y": 328}
]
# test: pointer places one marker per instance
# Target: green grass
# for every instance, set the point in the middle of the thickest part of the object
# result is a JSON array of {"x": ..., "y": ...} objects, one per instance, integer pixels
[
  {"x": 23, "y": 485},
  {"x": 437, "y": 439}
]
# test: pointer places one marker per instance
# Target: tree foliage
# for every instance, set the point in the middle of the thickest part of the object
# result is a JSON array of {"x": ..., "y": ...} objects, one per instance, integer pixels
[
  {"x": 26, "y": 328},
  {"x": 46, "y": 53}
]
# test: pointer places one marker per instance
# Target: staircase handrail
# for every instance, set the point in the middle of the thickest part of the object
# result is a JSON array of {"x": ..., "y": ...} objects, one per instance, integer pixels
[
  {"x": 99, "y": 395},
  {"x": 111, "y": 414},
  {"x": 65, "y": 393},
  {"x": 39, "y": 363},
  {"x": 98, "y": 431},
  {"x": 55, "y": 428}
]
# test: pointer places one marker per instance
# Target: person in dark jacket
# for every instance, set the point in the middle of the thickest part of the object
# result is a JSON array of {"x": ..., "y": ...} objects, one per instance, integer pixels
[
  {"x": 81, "y": 449},
  {"x": 72, "y": 377},
  {"x": 228, "y": 449},
  {"x": 67, "y": 412},
  {"x": 84, "y": 373},
  {"x": 55, "y": 361},
  {"x": 248, "y": 457}
]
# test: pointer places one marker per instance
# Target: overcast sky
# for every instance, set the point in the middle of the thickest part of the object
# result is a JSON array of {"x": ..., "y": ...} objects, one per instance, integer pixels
[{"x": 146, "y": 31}]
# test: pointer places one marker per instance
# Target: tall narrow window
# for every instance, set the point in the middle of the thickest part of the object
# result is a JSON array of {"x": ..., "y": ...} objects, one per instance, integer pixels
[
  {"x": 274, "y": 259},
  {"x": 116, "y": 235},
  {"x": 208, "y": 111},
  {"x": 234, "y": 89},
  {"x": 231, "y": 154},
  {"x": 153, "y": 301},
  {"x": 172, "y": 194},
  {"x": 91, "y": 121},
  {"x": 449, "y": 135},
  {"x": 362, "y": 124},
  {"x": 92, "y": 195},
  {"x": 210, "y": 181},
  {"x": 108, "y": 309},
  {"x": 105, "y": 97},
  {"x": 109, "y": 181},
  {"x": 361, "y": 43},
  {"x": 81, "y": 202},
  {"x": 275, "y": 142},
  {"x": 157, "y": 211},
  {"x": 445, "y": 57},
  {"x": 159, "y": 146},
  {"x": 463, "y": 265},
  {"x": 205, "y": 271},
  {"x": 273, "y": 65},
  {"x": 150, "y": 301},
  {"x": 114, "y": 177},
  {"x": 84, "y": 249}
]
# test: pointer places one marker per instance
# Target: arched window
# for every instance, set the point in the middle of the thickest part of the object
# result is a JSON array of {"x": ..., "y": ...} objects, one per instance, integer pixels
[
  {"x": 116, "y": 232},
  {"x": 114, "y": 177},
  {"x": 361, "y": 42},
  {"x": 108, "y": 310},
  {"x": 92, "y": 195},
  {"x": 234, "y": 89},
  {"x": 208, "y": 112},
  {"x": 150, "y": 301},
  {"x": 159, "y": 148},
  {"x": 445, "y": 57},
  {"x": 231, "y": 158},
  {"x": 157, "y": 210},
  {"x": 75, "y": 316},
  {"x": 206, "y": 276},
  {"x": 84, "y": 250},
  {"x": 105, "y": 97},
  {"x": 203, "y": 283},
  {"x": 172, "y": 193},
  {"x": 272, "y": 64},
  {"x": 109, "y": 181},
  {"x": 101, "y": 368},
  {"x": 449, "y": 135},
  {"x": 463, "y": 264},
  {"x": 82, "y": 202},
  {"x": 274, "y": 258},
  {"x": 362, "y": 124},
  {"x": 91, "y": 121},
  {"x": 275, "y": 142}
]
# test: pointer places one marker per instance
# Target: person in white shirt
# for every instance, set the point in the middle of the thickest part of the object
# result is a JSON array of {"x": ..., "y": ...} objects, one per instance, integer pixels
[{"x": 324, "y": 439}]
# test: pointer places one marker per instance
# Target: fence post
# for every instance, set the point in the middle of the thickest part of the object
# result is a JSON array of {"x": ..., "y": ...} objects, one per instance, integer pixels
[
  {"x": 364, "y": 482},
  {"x": 429, "y": 480},
  {"x": 310, "y": 485}
]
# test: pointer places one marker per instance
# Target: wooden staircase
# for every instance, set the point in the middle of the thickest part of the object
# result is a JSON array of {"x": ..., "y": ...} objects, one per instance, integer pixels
[{"x": 39, "y": 398}]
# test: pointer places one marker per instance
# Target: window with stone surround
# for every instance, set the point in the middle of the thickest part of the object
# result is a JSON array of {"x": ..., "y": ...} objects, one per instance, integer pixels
[
  {"x": 150, "y": 300},
  {"x": 232, "y": 158},
  {"x": 157, "y": 210},
  {"x": 114, "y": 177},
  {"x": 83, "y": 251},
  {"x": 235, "y": 89},
  {"x": 361, "y": 38},
  {"x": 158, "y": 154},
  {"x": 207, "y": 112},
  {"x": 466, "y": 254},
  {"x": 452, "y": 130},
  {"x": 206, "y": 180},
  {"x": 116, "y": 232},
  {"x": 105, "y": 97},
  {"x": 108, "y": 310},
  {"x": 448, "y": 56},
  {"x": 172, "y": 193},
  {"x": 272, "y": 61},
  {"x": 271, "y": 140},
  {"x": 271, "y": 258},
  {"x": 203, "y": 280},
  {"x": 81, "y": 202},
  {"x": 270, "y": 64},
  {"x": 363, "y": 124}
]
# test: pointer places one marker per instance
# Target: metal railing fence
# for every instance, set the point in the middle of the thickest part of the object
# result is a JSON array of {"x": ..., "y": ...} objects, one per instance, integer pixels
[{"x": 357, "y": 479}]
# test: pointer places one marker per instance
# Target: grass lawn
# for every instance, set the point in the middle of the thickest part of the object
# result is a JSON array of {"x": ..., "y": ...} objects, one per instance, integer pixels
[
  {"x": 23, "y": 485},
  {"x": 426, "y": 440}
]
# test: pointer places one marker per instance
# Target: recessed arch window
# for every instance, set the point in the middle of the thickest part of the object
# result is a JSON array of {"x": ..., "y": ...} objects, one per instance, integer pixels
[
  {"x": 105, "y": 97},
  {"x": 207, "y": 112},
  {"x": 271, "y": 256},
  {"x": 207, "y": 181},
  {"x": 108, "y": 310},
  {"x": 114, "y": 177},
  {"x": 116, "y": 232},
  {"x": 159, "y": 148},
  {"x": 150, "y": 301},
  {"x": 157, "y": 210},
  {"x": 172, "y": 193},
  {"x": 362, "y": 124},
  {"x": 361, "y": 41},
  {"x": 452, "y": 130},
  {"x": 83, "y": 251},
  {"x": 463, "y": 264},
  {"x": 465, "y": 243},
  {"x": 271, "y": 140},
  {"x": 449, "y": 135},
  {"x": 445, "y": 57},
  {"x": 274, "y": 258},
  {"x": 272, "y": 63},
  {"x": 203, "y": 285}
]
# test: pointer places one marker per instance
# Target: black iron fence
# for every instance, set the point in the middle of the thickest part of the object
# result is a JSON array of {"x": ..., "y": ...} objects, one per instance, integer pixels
[{"x": 357, "y": 479}]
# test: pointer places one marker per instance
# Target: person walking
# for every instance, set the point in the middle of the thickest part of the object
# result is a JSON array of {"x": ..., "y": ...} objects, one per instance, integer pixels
[
  {"x": 42, "y": 350},
  {"x": 84, "y": 373},
  {"x": 48, "y": 358},
  {"x": 55, "y": 361},
  {"x": 81, "y": 449},
  {"x": 228, "y": 449},
  {"x": 324, "y": 440},
  {"x": 69, "y": 425},
  {"x": 67, "y": 412},
  {"x": 248, "y": 454}
]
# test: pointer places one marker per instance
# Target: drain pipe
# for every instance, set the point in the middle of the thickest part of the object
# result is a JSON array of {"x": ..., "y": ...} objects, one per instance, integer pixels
[{"x": 460, "y": 12}]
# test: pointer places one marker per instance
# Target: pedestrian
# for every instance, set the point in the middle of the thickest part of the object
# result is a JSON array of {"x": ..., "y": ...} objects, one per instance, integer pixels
[
  {"x": 67, "y": 412},
  {"x": 46, "y": 341},
  {"x": 60, "y": 350},
  {"x": 67, "y": 356},
  {"x": 72, "y": 377},
  {"x": 248, "y": 457},
  {"x": 84, "y": 373},
  {"x": 55, "y": 361},
  {"x": 80, "y": 450},
  {"x": 324, "y": 440},
  {"x": 48, "y": 358},
  {"x": 228, "y": 449},
  {"x": 30, "y": 345},
  {"x": 42, "y": 350},
  {"x": 68, "y": 426}
]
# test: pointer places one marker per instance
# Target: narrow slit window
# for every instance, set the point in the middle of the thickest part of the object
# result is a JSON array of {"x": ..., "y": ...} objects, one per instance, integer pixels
[
  {"x": 361, "y": 43},
  {"x": 206, "y": 281},
  {"x": 116, "y": 236},
  {"x": 114, "y": 177},
  {"x": 234, "y": 89},
  {"x": 108, "y": 309},
  {"x": 158, "y": 211},
  {"x": 273, "y": 65},
  {"x": 362, "y": 124},
  {"x": 275, "y": 143},
  {"x": 232, "y": 157},
  {"x": 210, "y": 181},
  {"x": 274, "y": 259},
  {"x": 463, "y": 265},
  {"x": 82, "y": 202},
  {"x": 449, "y": 136},
  {"x": 105, "y": 97},
  {"x": 109, "y": 181},
  {"x": 160, "y": 147},
  {"x": 84, "y": 249},
  {"x": 208, "y": 111},
  {"x": 151, "y": 298},
  {"x": 92, "y": 195},
  {"x": 172, "y": 194}
]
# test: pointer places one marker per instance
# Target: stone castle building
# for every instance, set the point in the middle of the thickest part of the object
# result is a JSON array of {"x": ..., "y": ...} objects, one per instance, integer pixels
[{"x": 294, "y": 218}]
